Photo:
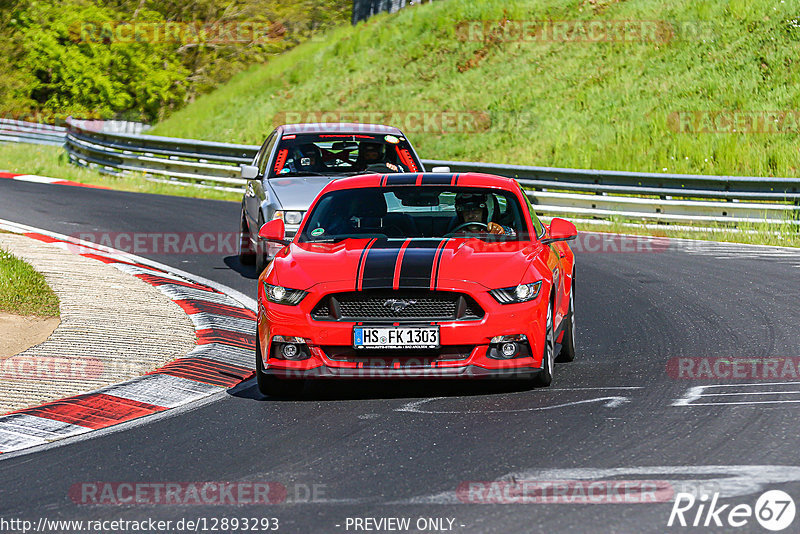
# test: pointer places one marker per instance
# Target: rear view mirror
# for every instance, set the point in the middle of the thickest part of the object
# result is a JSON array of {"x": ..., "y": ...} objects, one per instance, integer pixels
[
  {"x": 274, "y": 231},
  {"x": 560, "y": 230},
  {"x": 344, "y": 145},
  {"x": 249, "y": 172},
  {"x": 417, "y": 198},
  {"x": 440, "y": 169}
]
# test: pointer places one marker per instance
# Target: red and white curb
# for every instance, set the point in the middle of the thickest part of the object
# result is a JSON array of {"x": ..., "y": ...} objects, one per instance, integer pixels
[
  {"x": 223, "y": 358},
  {"x": 46, "y": 180}
]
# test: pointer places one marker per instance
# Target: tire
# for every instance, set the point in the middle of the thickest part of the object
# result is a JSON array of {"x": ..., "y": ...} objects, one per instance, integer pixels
[
  {"x": 272, "y": 386},
  {"x": 567, "y": 353},
  {"x": 545, "y": 376},
  {"x": 246, "y": 254},
  {"x": 261, "y": 255}
]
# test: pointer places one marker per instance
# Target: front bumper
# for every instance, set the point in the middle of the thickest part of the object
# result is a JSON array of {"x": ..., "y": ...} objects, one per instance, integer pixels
[
  {"x": 468, "y": 371},
  {"x": 468, "y": 340}
]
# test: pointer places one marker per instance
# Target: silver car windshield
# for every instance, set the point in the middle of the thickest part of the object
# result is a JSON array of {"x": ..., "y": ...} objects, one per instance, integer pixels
[{"x": 345, "y": 154}]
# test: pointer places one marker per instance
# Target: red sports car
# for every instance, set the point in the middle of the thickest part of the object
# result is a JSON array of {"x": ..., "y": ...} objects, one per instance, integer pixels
[{"x": 416, "y": 276}]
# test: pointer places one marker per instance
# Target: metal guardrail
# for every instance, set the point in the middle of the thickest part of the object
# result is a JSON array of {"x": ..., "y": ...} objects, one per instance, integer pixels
[
  {"x": 655, "y": 196},
  {"x": 671, "y": 198},
  {"x": 163, "y": 159},
  {"x": 15, "y": 131}
]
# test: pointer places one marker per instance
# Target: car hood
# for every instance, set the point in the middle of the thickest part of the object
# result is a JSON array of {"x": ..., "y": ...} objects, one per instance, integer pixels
[
  {"x": 297, "y": 193},
  {"x": 413, "y": 263}
]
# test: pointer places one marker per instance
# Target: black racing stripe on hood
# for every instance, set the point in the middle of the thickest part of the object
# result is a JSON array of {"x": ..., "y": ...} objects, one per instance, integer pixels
[
  {"x": 437, "y": 179},
  {"x": 379, "y": 264},
  {"x": 418, "y": 260},
  {"x": 401, "y": 179},
  {"x": 438, "y": 263}
]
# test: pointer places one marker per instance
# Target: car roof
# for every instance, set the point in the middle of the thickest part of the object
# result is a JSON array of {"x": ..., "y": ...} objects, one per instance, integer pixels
[
  {"x": 338, "y": 127},
  {"x": 423, "y": 179}
]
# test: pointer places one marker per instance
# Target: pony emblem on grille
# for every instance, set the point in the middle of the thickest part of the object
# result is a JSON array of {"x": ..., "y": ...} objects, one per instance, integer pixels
[{"x": 398, "y": 305}]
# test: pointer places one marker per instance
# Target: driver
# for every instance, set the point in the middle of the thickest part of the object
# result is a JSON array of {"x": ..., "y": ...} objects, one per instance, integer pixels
[
  {"x": 474, "y": 208},
  {"x": 373, "y": 154}
]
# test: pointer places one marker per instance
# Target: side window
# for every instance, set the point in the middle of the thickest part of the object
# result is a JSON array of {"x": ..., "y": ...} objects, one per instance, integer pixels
[
  {"x": 263, "y": 155},
  {"x": 537, "y": 224}
]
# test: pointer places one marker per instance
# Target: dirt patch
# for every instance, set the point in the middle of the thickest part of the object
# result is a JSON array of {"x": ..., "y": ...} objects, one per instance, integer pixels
[{"x": 18, "y": 333}]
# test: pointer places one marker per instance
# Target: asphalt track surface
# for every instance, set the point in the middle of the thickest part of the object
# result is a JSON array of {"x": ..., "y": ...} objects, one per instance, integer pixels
[{"x": 403, "y": 448}]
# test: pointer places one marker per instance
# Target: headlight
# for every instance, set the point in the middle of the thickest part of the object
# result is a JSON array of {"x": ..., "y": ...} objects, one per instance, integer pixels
[
  {"x": 520, "y": 293},
  {"x": 283, "y": 295},
  {"x": 289, "y": 217}
]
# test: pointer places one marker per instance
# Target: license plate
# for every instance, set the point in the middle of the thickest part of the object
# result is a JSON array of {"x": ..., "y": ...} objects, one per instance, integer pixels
[{"x": 394, "y": 337}]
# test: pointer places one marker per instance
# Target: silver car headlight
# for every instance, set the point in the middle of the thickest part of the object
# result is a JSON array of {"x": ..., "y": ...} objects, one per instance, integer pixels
[{"x": 289, "y": 217}]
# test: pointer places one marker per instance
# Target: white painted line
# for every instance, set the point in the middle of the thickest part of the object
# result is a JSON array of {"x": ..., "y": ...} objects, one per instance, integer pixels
[
  {"x": 414, "y": 407},
  {"x": 795, "y": 401},
  {"x": 10, "y": 441},
  {"x": 176, "y": 292},
  {"x": 697, "y": 392},
  {"x": 162, "y": 390},
  {"x": 204, "y": 321},
  {"x": 37, "y": 179},
  {"x": 225, "y": 354},
  {"x": 39, "y": 426},
  {"x": 135, "y": 269},
  {"x": 751, "y": 384},
  {"x": 750, "y": 393}
]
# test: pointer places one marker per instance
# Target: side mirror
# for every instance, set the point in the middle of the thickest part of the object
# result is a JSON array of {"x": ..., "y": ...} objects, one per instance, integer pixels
[
  {"x": 560, "y": 230},
  {"x": 274, "y": 231},
  {"x": 440, "y": 169},
  {"x": 249, "y": 172}
]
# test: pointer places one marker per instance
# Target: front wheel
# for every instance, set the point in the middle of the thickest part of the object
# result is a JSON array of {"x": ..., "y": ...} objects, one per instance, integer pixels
[
  {"x": 261, "y": 252},
  {"x": 545, "y": 376},
  {"x": 272, "y": 386},
  {"x": 567, "y": 353},
  {"x": 246, "y": 254}
]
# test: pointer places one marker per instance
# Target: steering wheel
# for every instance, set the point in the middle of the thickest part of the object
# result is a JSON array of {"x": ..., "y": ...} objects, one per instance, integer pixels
[
  {"x": 382, "y": 168},
  {"x": 466, "y": 224}
]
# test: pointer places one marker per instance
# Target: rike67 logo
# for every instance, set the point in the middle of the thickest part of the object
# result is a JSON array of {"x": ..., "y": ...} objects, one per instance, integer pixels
[{"x": 774, "y": 510}]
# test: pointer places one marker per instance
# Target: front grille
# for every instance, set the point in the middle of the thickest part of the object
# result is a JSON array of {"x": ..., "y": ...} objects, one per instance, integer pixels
[{"x": 389, "y": 305}]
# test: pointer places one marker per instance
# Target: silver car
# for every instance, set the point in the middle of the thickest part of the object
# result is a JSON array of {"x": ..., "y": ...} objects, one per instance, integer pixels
[{"x": 298, "y": 160}]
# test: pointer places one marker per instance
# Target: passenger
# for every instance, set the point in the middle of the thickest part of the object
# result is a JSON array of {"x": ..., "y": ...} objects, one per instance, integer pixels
[{"x": 309, "y": 160}]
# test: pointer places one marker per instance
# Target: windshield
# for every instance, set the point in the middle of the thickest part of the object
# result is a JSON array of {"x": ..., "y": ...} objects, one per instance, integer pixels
[
  {"x": 326, "y": 154},
  {"x": 429, "y": 212}
]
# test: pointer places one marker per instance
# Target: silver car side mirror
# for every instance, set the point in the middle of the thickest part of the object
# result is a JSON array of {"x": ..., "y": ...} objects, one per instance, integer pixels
[
  {"x": 249, "y": 172},
  {"x": 440, "y": 169}
]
